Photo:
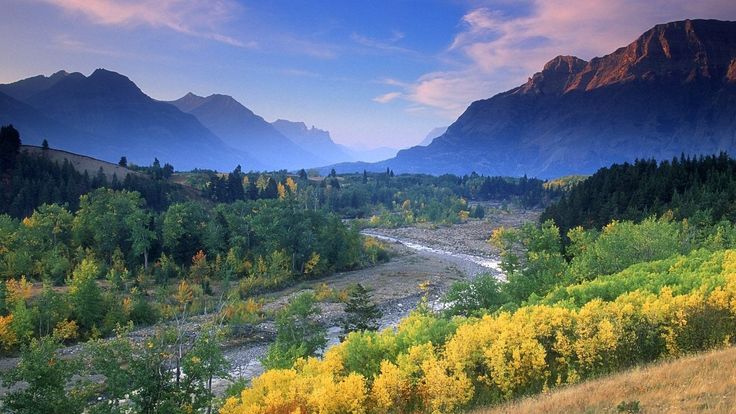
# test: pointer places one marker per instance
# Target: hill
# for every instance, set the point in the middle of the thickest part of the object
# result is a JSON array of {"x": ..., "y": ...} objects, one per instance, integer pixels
[
  {"x": 44, "y": 176},
  {"x": 697, "y": 384},
  {"x": 81, "y": 163},
  {"x": 672, "y": 90}
]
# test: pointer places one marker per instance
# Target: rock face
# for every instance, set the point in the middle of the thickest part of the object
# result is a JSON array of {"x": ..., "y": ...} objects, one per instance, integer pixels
[
  {"x": 672, "y": 90},
  {"x": 105, "y": 115}
]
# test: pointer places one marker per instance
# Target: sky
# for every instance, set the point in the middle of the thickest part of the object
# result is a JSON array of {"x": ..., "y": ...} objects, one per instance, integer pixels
[{"x": 373, "y": 73}]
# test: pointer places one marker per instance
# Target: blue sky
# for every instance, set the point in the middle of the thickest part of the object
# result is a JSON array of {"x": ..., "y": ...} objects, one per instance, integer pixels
[{"x": 374, "y": 73}]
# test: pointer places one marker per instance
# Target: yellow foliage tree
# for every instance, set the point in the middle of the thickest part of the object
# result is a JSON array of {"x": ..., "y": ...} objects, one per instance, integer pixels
[
  {"x": 8, "y": 340},
  {"x": 291, "y": 185},
  {"x": 281, "y": 190},
  {"x": 18, "y": 290}
]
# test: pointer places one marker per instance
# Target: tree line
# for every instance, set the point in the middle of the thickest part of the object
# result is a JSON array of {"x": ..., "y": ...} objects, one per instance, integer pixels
[{"x": 700, "y": 188}]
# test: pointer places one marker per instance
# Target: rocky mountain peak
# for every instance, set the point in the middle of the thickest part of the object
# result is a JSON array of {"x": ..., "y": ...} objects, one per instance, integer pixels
[
  {"x": 681, "y": 52},
  {"x": 555, "y": 76}
]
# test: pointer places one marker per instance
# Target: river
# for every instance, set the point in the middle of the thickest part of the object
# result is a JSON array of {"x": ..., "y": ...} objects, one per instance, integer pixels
[{"x": 245, "y": 359}]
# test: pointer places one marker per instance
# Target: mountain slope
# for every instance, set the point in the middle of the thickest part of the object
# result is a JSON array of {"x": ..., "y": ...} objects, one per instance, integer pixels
[
  {"x": 431, "y": 135},
  {"x": 34, "y": 126},
  {"x": 313, "y": 140},
  {"x": 242, "y": 129},
  {"x": 672, "y": 90},
  {"x": 105, "y": 115}
]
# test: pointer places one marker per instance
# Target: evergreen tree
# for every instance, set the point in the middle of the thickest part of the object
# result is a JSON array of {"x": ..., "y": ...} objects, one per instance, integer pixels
[
  {"x": 123, "y": 161},
  {"x": 362, "y": 313},
  {"x": 45, "y": 144},
  {"x": 235, "y": 185},
  {"x": 9, "y": 147}
]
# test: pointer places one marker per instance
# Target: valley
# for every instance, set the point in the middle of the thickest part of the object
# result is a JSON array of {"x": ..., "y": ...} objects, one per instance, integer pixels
[
  {"x": 425, "y": 261},
  {"x": 419, "y": 266},
  {"x": 240, "y": 207}
]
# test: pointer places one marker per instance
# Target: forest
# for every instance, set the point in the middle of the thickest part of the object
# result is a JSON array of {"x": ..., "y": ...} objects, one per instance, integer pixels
[
  {"x": 631, "y": 265},
  {"x": 90, "y": 259},
  {"x": 702, "y": 188},
  {"x": 576, "y": 305}
]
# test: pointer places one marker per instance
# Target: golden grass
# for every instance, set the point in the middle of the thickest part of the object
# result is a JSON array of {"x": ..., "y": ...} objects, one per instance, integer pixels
[{"x": 703, "y": 383}]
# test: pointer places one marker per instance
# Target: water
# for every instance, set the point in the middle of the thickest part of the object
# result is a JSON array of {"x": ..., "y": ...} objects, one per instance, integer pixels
[{"x": 478, "y": 260}]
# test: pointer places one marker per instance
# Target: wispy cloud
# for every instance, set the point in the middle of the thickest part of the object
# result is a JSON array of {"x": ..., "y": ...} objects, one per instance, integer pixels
[
  {"x": 386, "y": 98},
  {"x": 493, "y": 51},
  {"x": 389, "y": 45},
  {"x": 199, "y": 18}
]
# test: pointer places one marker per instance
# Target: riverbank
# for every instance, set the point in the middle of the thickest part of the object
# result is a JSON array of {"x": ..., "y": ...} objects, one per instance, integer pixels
[{"x": 435, "y": 257}]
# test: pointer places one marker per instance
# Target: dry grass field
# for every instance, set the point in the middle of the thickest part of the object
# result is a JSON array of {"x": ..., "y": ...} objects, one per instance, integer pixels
[{"x": 703, "y": 383}]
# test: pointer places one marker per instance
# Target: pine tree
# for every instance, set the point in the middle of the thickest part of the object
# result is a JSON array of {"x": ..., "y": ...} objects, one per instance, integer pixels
[
  {"x": 9, "y": 147},
  {"x": 362, "y": 313}
]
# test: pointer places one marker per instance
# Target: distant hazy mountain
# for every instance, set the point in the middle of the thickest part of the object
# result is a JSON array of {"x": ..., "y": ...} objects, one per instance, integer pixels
[
  {"x": 434, "y": 133},
  {"x": 240, "y": 128},
  {"x": 314, "y": 140},
  {"x": 105, "y": 115},
  {"x": 672, "y": 90}
]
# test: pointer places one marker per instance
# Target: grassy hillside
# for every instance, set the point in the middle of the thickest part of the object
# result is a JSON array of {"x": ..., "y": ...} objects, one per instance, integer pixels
[
  {"x": 703, "y": 383},
  {"x": 81, "y": 163}
]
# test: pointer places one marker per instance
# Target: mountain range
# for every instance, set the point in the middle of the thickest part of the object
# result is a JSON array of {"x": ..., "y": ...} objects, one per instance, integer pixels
[
  {"x": 105, "y": 115},
  {"x": 671, "y": 91}
]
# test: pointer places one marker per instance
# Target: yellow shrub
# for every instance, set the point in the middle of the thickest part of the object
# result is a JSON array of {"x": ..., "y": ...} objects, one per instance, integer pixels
[
  {"x": 66, "y": 330},
  {"x": 500, "y": 356},
  {"x": 464, "y": 352},
  {"x": 441, "y": 390},
  {"x": 391, "y": 389},
  {"x": 329, "y": 396},
  {"x": 275, "y": 391},
  {"x": 516, "y": 360},
  {"x": 323, "y": 292}
]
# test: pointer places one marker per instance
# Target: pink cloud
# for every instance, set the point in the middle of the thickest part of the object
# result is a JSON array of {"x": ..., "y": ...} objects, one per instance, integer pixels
[{"x": 199, "y": 18}]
